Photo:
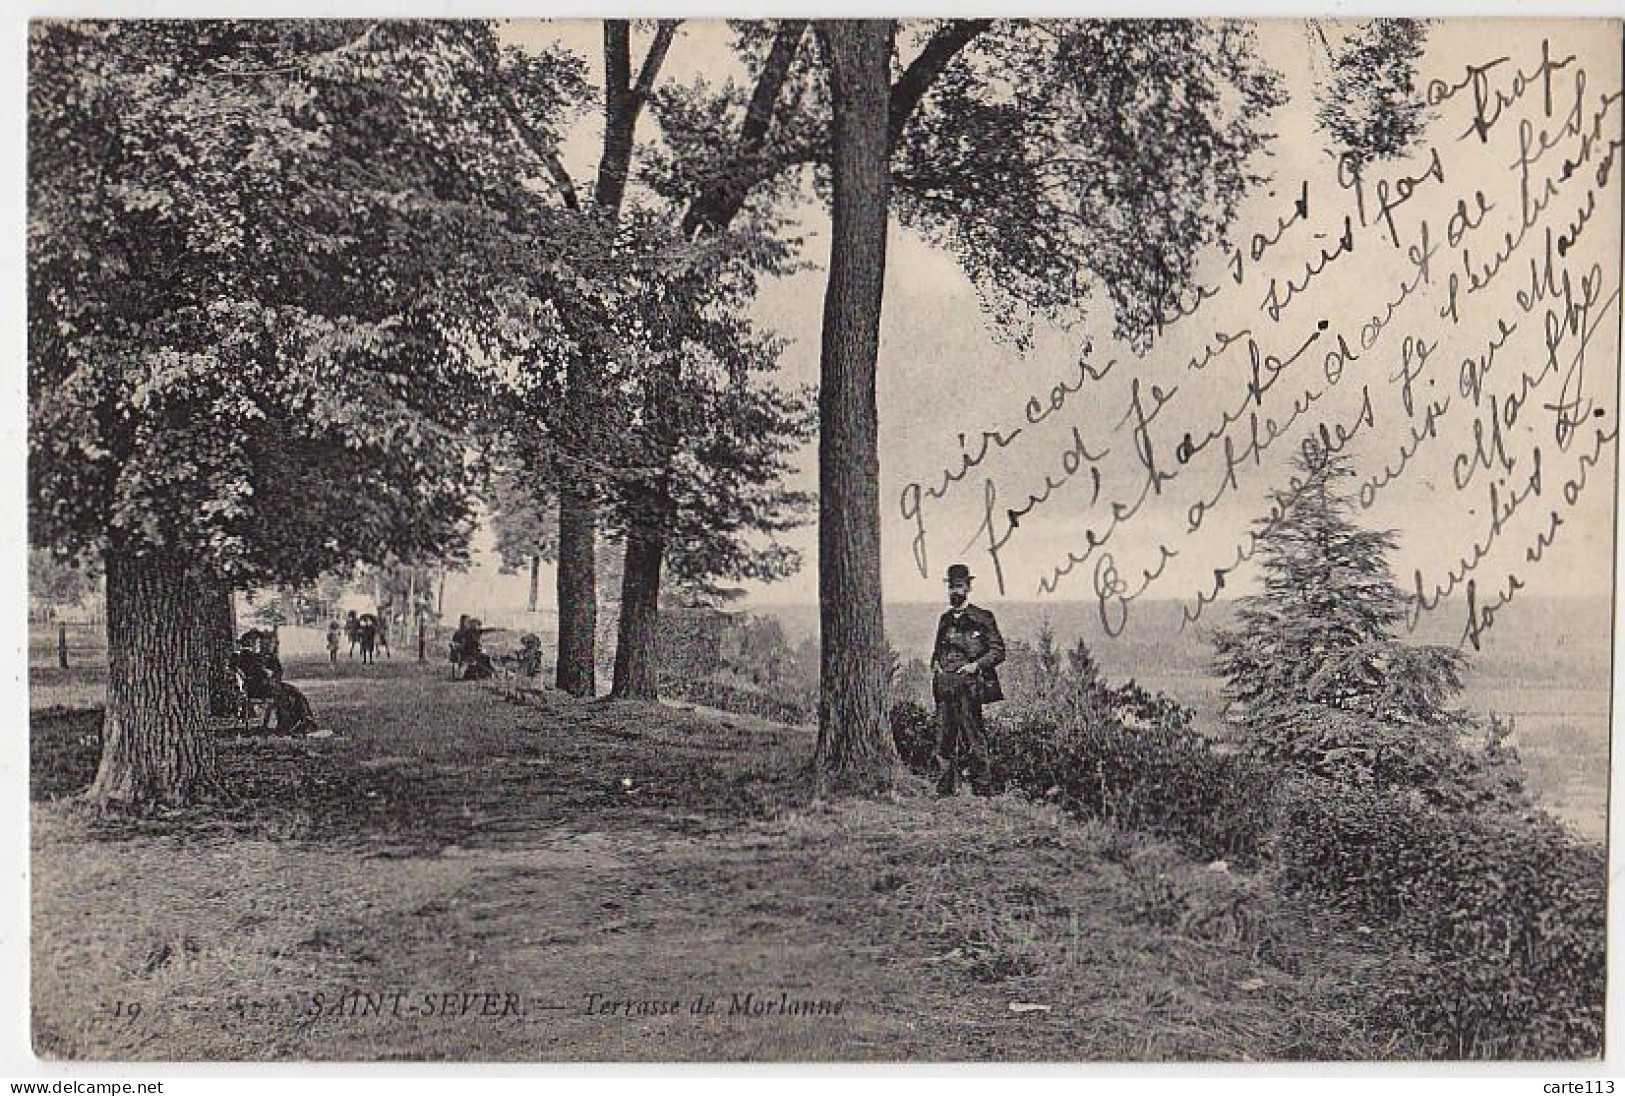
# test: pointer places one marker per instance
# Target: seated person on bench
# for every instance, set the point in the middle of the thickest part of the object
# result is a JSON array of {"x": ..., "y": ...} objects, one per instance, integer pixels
[
  {"x": 259, "y": 669},
  {"x": 260, "y": 673},
  {"x": 469, "y": 662}
]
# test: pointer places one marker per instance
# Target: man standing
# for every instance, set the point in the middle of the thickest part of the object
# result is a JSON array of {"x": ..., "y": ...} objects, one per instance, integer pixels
[{"x": 967, "y": 649}]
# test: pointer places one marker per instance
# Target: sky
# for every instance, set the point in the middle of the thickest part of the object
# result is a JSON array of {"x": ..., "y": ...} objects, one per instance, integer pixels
[{"x": 944, "y": 376}]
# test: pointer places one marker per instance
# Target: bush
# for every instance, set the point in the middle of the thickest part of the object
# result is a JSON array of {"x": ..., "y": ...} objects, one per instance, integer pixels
[
  {"x": 1161, "y": 776},
  {"x": 1357, "y": 750},
  {"x": 1511, "y": 908},
  {"x": 754, "y": 647},
  {"x": 914, "y": 731}
]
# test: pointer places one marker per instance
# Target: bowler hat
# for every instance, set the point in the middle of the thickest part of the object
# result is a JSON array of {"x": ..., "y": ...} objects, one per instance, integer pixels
[{"x": 958, "y": 572}]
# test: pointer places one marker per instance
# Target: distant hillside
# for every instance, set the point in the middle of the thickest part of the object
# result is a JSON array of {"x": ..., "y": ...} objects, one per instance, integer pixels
[{"x": 1535, "y": 639}]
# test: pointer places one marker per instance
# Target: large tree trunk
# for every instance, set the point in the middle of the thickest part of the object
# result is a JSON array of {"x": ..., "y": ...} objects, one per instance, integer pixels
[
  {"x": 624, "y": 98},
  {"x": 650, "y": 515},
  {"x": 577, "y": 587},
  {"x": 637, "y": 646},
  {"x": 855, "y": 750},
  {"x": 216, "y": 621},
  {"x": 155, "y": 749},
  {"x": 637, "y": 669},
  {"x": 653, "y": 511}
]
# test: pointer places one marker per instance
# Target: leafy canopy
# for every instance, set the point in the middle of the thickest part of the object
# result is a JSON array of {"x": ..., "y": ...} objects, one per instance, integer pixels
[
  {"x": 1056, "y": 157},
  {"x": 259, "y": 256},
  {"x": 1369, "y": 103}
]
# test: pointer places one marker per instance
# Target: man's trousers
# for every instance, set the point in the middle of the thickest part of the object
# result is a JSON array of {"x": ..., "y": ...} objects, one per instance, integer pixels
[{"x": 961, "y": 734}]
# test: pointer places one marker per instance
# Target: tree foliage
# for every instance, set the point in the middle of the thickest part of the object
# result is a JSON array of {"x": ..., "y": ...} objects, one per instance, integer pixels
[
  {"x": 1369, "y": 102},
  {"x": 685, "y": 399},
  {"x": 1321, "y": 635},
  {"x": 714, "y": 430},
  {"x": 256, "y": 250},
  {"x": 1055, "y": 159},
  {"x": 60, "y": 582},
  {"x": 524, "y": 518},
  {"x": 1051, "y": 158}
]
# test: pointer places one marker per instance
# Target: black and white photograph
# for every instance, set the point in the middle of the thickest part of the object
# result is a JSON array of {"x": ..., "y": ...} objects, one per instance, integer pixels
[{"x": 809, "y": 540}]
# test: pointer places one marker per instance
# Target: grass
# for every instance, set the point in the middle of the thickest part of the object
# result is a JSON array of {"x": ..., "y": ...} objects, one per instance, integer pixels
[
  {"x": 446, "y": 840},
  {"x": 78, "y": 687}
]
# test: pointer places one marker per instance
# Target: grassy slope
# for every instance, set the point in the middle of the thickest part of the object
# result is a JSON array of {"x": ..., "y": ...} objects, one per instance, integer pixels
[{"x": 446, "y": 841}]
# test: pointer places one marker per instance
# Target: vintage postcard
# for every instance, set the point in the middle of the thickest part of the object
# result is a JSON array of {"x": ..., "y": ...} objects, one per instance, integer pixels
[{"x": 940, "y": 540}]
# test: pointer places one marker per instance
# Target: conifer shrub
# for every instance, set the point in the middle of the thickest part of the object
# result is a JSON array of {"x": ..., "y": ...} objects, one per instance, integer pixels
[{"x": 1387, "y": 817}]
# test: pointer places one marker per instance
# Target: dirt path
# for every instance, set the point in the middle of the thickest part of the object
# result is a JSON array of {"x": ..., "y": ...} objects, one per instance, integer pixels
[{"x": 455, "y": 876}]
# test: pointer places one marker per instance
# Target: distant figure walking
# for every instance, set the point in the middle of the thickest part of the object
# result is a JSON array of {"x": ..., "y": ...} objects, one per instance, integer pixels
[
  {"x": 967, "y": 648},
  {"x": 352, "y": 631},
  {"x": 333, "y": 633}
]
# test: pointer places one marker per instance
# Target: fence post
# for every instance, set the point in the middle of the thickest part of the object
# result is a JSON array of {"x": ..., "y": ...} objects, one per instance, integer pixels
[
  {"x": 62, "y": 645},
  {"x": 422, "y": 644}
]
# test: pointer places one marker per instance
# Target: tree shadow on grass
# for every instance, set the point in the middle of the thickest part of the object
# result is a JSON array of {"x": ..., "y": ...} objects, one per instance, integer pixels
[
  {"x": 64, "y": 747},
  {"x": 395, "y": 783}
]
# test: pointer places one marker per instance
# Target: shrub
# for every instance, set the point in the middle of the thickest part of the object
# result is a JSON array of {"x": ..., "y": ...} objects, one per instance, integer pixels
[
  {"x": 1161, "y": 776},
  {"x": 1360, "y": 751},
  {"x": 1322, "y": 630},
  {"x": 914, "y": 731},
  {"x": 1137, "y": 706},
  {"x": 912, "y": 684},
  {"x": 1510, "y": 907},
  {"x": 755, "y": 648}
]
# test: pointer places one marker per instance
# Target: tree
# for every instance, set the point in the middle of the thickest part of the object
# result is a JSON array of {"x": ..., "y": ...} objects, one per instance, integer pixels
[
  {"x": 1124, "y": 155},
  {"x": 642, "y": 393},
  {"x": 1049, "y": 655},
  {"x": 403, "y": 591},
  {"x": 1035, "y": 194},
  {"x": 215, "y": 621},
  {"x": 1081, "y": 661},
  {"x": 710, "y": 202},
  {"x": 577, "y": 471},
  {"x": 1312, "y": 668},
  {"x": 256, "y": 251},
  {"x": 59, "y": 582},
  {"x": 709, "y": 451},
  {"x": 644, "y": 370},
  {"x": 855, "y": 749},
  {"x": 756, "y": 649}
]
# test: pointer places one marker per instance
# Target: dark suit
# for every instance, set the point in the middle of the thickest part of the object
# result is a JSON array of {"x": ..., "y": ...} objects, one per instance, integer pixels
[{"x": 968, "y": 637}]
